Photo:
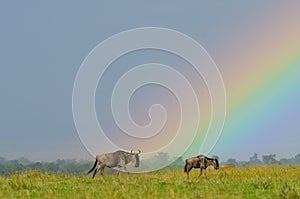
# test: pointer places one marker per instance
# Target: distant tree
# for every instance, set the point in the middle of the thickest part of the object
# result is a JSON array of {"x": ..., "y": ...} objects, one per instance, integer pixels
[
  {"x": 297, "y": 159},
  {"x": 38, "y": 166},
  {"x": 254, "y": 160},
  {"x": 177, "y": 164},
  {"x": 145, "y": 164},
  {"x": 2, "y": 160},
  {"x": 243, "y": 163},
  {"x": 286, "y": 161},
  {"x": 160, "y": 159},
  {"x": 24, "y": 161},
  {"x": 52, "y": 167},
  {"x": 11, "y": 167},
  {"x": 232, "y": 161},
  {"x": 83, "y": 167},
  {"x": 270, "y": 159}
]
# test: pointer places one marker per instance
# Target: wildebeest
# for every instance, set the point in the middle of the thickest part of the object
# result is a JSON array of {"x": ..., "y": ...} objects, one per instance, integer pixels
[
  {"x": 201, "y": 162},
  {"x": 119, "y": 159}
]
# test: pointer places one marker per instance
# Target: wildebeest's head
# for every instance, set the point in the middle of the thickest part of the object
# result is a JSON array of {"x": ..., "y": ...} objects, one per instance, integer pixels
[
  {"x": 137, "y": 158},
  {"x": 216, "y": 163}
]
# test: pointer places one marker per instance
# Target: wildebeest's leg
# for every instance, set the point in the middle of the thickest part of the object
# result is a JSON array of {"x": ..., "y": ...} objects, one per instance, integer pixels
[
  {"x": 126, "y": 170},
  {"x": 205, "y": 172},
  {"x": 188, "y": 169},
  {"x": 102, "y": 169},
  {"x": 200, "y": 171},
  {"x": 118, "y": 170}
]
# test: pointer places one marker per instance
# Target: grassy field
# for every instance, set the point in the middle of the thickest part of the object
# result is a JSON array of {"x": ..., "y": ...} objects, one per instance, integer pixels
[{"x": 248, "y": 182}]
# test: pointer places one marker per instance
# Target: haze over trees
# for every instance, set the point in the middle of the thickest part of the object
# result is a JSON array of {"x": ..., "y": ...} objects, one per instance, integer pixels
[{"x": 75, "y": 167}]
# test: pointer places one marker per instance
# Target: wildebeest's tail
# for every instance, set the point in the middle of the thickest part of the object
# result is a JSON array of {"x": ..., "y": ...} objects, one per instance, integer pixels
[
  {"x": 185, "y": 167},
  {"x": 93, "y": 166}
]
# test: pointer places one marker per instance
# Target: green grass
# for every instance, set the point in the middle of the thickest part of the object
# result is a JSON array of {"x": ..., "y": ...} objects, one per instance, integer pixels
[{"x": 248, "y": 182}]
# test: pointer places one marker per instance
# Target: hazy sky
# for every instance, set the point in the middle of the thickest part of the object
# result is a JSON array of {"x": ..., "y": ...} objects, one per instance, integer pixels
[{"x": 43, "y": 43}]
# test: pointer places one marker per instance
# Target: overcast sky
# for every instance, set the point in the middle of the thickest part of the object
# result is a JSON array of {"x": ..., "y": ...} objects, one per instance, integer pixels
[{"x": 43, "y": 43}]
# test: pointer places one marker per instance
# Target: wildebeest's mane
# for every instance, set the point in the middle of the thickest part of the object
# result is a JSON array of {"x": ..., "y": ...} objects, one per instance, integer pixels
[
  {"x": 210, "y": 158},
  {"x": 120, "y": 151},
  {"x": 130, "y": 157},
  {"x": 206, "y": 157}
]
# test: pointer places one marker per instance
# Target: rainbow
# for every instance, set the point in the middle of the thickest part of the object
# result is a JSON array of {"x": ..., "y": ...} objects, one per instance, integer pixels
[{"x": 262, "y": 85}]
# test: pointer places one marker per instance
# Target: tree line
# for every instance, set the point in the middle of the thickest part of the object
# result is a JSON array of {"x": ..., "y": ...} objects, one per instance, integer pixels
[
  {"x": 75, "y": 167},
  {"x": 266, "y": 160},
  {"x": 60, "y": 166}
]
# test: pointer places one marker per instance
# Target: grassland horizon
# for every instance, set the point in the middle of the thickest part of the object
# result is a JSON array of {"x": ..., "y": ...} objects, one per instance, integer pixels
[{"x": 244, "y": 182}]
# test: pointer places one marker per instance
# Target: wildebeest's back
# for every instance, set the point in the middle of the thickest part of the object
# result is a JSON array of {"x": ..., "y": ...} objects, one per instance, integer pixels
[
  {"x": 125, "y": 156},
  {"x": 116, "y": 159},
  {"x": 194, "y": 162},
  {"x": 109, "y": 159},
  {"x": 206, "y": 162}
]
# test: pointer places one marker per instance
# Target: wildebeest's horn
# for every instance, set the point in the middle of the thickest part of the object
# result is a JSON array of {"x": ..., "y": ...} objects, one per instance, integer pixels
[{"x": 140, "y": 151}]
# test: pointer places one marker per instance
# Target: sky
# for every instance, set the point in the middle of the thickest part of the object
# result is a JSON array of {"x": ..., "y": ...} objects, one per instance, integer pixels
[{"x": 255, "y": 45}]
